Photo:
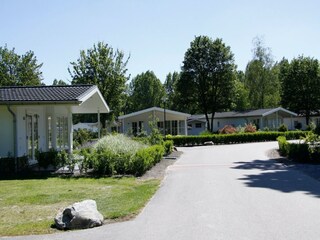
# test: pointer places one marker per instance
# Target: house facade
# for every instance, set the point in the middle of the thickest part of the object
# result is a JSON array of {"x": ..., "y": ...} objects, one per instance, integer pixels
[
  {"x": 168, "y": 121},
  {"x": 263, "y": 118},
  {"x": 40, "y": 118}
]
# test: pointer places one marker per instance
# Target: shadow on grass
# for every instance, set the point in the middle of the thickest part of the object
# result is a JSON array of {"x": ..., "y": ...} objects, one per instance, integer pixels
[{"x": 276, "y": 176}]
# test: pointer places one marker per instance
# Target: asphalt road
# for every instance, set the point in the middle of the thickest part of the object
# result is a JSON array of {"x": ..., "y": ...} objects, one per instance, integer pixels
[{"x": 222, "y": 192}]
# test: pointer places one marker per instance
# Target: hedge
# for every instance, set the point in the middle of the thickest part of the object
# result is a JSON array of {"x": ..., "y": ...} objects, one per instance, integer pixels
[
  {"x": 299, "y": 152},
  {"x": 234, "y": 138}
]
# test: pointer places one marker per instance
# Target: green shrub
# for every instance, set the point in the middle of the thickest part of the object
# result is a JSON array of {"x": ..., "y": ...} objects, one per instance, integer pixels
[
  {"x": 47, "y": 158},
  {"x": 8, "y": 164},
  {"x": 299, "y": 152},
  {"x": 205, "y": 133},
  {"x": 168, "y": 147},
  {"x": 283, "y": 128}
]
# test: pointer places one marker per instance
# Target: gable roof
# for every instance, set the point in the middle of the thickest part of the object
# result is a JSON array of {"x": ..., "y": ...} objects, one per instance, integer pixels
[
  {"x": 44, "y": 94},
  {"x": 247, "y": 113},
  {"x": 82, "y": 98},
  {"x": 153, "y": 109}
]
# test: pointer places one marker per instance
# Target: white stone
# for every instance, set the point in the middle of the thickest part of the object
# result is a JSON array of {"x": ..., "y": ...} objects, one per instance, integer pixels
[{"x": 80, "y": 215}]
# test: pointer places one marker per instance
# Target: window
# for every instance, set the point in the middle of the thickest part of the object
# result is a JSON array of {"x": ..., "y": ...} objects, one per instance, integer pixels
[
  {"x": 198, "y": 125},
  {"x": 140, "y": 126},
  {"x": 62, "y": 133},
  {"x": 174, "y": 130},
  {"x": 49, "y": 135},
  {"x": 134, "y": 128},
  {"x": 160, "y": 126}
]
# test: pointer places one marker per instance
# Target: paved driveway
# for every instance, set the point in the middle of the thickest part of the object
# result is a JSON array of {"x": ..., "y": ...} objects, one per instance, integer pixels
[{"x": 222, "y": 192}]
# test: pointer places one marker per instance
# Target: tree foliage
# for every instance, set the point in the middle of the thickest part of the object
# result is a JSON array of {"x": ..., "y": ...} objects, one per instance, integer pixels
[
  {"x": 106, "y": 68},
  {"x": 170, "y": 89},
  {"x": 240, "y": 100},
  {"x": 59, "y": 82},
  {"x": 207, "y": 78},
  {"x": 261, "y": 78},
  {"x": 300, "y": 85},
  {"x": 19, "y": 70},
  {"x": 145, "y": 90}
]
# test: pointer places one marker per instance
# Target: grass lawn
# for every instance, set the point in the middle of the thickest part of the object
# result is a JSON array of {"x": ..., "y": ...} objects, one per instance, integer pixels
[{"x": 29, "y": 206}]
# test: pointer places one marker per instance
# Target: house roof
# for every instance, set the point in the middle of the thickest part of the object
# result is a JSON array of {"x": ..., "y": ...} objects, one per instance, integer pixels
[
  {"x": 84, "y": 97},
  {"x": 36, "y": 94},
  {"x": 247, "y": 113},
  {"x": 153, "y": 109}
]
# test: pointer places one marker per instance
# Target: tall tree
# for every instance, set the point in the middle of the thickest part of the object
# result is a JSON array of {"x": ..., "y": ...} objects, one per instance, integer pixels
[
  {"x": 145, "y": 90},
  {"x": 300, "y": 85},
  {"x": 207, "y": 78},
  {"x": 19, "y": 70},
  {"x": 170, "y": 89},
  {"x": 240, "y": 100},
  {"x": 261, "y": 78},
  {"x": 106, "y": 68}
]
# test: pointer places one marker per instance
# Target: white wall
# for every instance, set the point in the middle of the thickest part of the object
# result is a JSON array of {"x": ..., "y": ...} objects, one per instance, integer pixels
[{"x": 6, "y": 132}]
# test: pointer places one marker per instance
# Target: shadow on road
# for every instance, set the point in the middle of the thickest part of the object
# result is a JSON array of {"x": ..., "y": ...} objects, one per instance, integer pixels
[{"x": 277, "y": 176}]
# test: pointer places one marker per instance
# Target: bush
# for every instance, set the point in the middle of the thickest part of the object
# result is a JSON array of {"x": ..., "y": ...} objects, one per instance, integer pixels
[
  {"x": 8, "y": 164},
  {"x": 299, "y": 152},
  {"x": 81, "y": 137},
  {"x": 234, "y": 138},
  {"x": 228, "y": 129},
  {"x": 205, "y": 133},
  {"x": 283, "y": 128},
  {"x": 250, "y": 128},
  {"x": 47, "y": 158},
  {"x": 168, "y": 147},
  {"x": 121, "y": 155}
]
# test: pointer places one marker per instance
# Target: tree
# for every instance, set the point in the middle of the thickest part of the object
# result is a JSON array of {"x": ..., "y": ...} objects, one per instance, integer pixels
[
  {"x": 207, "y": 77},
  {"x": 170, "y": 89},
  {"x": 261, "y": 78},
  {"x": 59, "y": 82},
  {"x": 300, "y": 85},
  {"x": 19, "y": 70},
  {"x": 106, "y": 68},
  {"x": 145, "y": 90},
  {"x": 240, "y": 100}
]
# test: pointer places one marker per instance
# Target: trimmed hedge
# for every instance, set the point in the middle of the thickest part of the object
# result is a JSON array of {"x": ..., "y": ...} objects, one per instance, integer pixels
[
  {"x": 234, "y": 138},
  {"x": 8, "y": 166},
  {"x": 299, "y": 152}
]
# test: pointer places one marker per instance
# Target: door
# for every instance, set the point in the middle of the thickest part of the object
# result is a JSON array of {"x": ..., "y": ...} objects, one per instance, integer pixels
[{"x": 32, "y": 136}]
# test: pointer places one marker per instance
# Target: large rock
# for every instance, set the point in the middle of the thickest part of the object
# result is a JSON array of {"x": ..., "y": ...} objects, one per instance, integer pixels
[{"x": 80, "y": 215}]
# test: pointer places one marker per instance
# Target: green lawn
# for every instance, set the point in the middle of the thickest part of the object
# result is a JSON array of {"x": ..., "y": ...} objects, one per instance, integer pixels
[{"x": 29, "y": 206}]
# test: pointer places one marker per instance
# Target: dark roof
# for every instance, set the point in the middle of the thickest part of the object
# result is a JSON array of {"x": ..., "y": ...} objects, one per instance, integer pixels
[
  {"x": 41, "y": 94},
  {"x": 234, "y": 114}
]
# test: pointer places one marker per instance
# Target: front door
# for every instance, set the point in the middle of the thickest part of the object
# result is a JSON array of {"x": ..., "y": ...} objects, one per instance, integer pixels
[{"x": 32, "y": 136}]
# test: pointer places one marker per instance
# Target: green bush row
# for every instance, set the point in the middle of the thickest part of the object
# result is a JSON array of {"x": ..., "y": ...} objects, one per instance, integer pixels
[
  {"x": 106, "y": 162},
  {"x": 299, "y": 152},
  {"x": 234, "y": 138}
]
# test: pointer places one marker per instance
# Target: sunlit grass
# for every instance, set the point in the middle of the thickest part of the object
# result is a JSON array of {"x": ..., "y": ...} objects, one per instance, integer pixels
[{"x": 29, "y": 206}]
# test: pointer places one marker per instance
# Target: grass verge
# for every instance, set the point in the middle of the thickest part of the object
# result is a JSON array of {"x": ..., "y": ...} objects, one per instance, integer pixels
[{"x": 29, "y": 206}]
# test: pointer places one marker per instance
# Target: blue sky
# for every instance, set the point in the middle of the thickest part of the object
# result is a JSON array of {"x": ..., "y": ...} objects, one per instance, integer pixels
[{"x": 156, "y": 33}]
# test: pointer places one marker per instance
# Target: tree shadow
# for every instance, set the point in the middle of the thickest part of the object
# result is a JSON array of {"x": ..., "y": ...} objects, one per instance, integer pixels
[{"x": 277, "y": 176}]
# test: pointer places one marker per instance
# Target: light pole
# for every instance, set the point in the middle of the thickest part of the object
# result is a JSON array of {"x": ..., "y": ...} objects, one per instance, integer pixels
[{"x": 164, "y": 99}]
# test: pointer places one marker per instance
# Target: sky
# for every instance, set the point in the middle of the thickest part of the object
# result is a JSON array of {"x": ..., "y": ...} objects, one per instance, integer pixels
[{"x": 156, "y": 34}]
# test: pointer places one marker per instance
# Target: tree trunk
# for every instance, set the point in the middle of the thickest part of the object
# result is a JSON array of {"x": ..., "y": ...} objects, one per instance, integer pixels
[
  {"x": 208, "y": 122},
  {"x": 307, "y": 117},
  {"x": 212, "y": 118}
]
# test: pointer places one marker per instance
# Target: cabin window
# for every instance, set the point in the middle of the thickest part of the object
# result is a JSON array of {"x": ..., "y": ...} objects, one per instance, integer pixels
[
  {"x": 174, "y": 130},
  {"x": 140, "y": 126},
  {"x": 198, "y": 125},
  {"x": 134, "y": 128},
  {"x": 62, "y": 132},
  {"x": 49, "y": 135}
]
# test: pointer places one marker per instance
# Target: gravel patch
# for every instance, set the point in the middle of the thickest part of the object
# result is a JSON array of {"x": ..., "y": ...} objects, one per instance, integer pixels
[{"x": 159, "y": 170}]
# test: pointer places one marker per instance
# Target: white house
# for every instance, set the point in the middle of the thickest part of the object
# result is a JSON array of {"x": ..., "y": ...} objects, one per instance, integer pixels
[
  {"x": 300, "y": 120},
  {"x": 175, "y": 122},
  {"x": 271, "y": 118},
  {"x": 40, "y": 117}
]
